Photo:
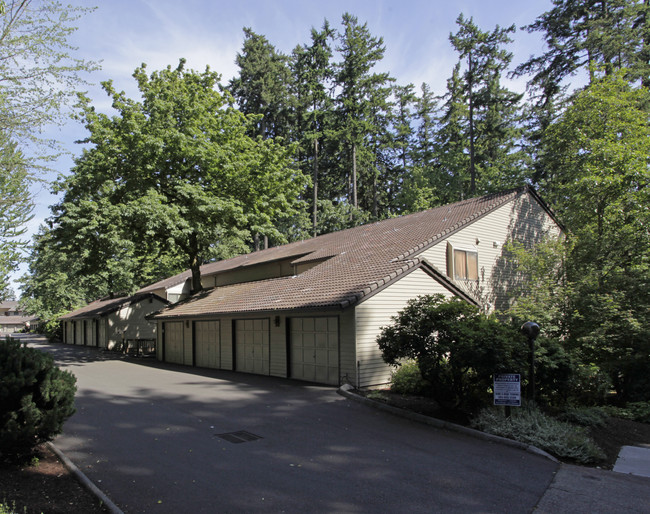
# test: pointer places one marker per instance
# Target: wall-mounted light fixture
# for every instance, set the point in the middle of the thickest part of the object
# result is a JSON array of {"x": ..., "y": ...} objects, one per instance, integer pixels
[{"x": 277, "y": 321}]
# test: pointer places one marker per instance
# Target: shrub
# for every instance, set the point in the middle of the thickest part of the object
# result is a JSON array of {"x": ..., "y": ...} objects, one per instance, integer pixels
[
  {"x": 407, "y": 379},
  {"x": 36, "y": 398},
  {"x": 584, "y": 416},
  {"x": 531, "y": 426},
  {"x": 635, "y": 411},
  {"x": 457, "y": 349}
]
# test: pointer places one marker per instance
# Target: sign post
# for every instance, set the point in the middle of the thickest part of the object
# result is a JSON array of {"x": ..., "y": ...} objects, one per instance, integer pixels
[{"x": 507, "y": 390}]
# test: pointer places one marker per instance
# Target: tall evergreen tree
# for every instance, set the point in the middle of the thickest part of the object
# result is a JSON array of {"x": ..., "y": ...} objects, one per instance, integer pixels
[
  {"x": 361, "y": 96},
  {"x": 489, "y": 127},
  {"x": 312, "y": 75},
  {"x": 262, "y": 86}
]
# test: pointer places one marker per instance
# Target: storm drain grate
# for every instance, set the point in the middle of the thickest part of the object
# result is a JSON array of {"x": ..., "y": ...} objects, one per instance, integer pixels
[{"x": 239, "y": 437}]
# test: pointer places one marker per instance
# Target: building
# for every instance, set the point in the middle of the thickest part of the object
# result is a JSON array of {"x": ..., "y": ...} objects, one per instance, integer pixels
[
  {"x": 13, "y": 319},
  {"x": 311, "y": 310},
  {"x": 114, "y": 323}
]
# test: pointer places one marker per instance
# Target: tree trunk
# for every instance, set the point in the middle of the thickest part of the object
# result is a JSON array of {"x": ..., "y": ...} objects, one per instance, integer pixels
[
  {"x": 472, "y": 169},
  {"x": 354, "y": 176},
  {"x": 195, "y": 266},
  {"x": 315, "y": 193}
]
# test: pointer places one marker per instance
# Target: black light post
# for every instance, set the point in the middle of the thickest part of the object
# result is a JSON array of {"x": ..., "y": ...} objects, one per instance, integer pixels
[{"x": 531, "y": 329}]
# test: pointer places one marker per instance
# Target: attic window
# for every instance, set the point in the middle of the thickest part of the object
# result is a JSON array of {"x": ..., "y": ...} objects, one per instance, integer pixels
[{"x": 462, "y": 263}]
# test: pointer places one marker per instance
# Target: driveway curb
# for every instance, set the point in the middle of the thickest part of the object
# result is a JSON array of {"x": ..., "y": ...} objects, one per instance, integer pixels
[
  {"x": 85, "y": 481},
  {"x": 347, "y": 391}
]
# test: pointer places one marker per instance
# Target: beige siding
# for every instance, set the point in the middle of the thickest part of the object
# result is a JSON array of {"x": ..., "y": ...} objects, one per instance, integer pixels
[
  {"x": 376, "y": 312},
  {"x": 522, "y": 220},
  {"x": 260, "y": 271},
  {"x": 188, "y": 347},
  {"x": 129, "y": 322},
  {"x": 226, "y": 343}
]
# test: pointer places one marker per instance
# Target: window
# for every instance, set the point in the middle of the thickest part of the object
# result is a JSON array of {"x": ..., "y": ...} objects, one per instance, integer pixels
[{"x": 462, "y": 263}]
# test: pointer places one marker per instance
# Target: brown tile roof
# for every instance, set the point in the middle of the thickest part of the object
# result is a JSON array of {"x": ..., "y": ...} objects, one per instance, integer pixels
[
  {"x": 105, "y": 306},
  {"x": 16, "y": 320},
  {"x": 359, "y": 260}
]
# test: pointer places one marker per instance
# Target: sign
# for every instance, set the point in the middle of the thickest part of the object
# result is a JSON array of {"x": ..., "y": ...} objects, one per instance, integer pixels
[{"x": 507, "y": 389}]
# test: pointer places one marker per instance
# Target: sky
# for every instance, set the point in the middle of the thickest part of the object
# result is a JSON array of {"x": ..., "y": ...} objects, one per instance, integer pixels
[{"x": 123, "y": 34}]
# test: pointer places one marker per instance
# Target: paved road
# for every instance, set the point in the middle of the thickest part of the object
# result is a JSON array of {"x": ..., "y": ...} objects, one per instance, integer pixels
[{"x": 148, "y": 434}]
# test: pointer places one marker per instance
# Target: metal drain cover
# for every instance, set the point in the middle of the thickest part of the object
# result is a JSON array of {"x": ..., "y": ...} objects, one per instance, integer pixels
[{"x": 239, "y": 437}]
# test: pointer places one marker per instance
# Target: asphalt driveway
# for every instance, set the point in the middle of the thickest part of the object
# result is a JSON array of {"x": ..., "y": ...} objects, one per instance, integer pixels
[{"x": 162, "y": 438}]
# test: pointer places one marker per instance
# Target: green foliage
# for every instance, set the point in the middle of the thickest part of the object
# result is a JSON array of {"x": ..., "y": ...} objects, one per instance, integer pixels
[
  {"x": 15, "y": 209},
  {"x": 635, "y": 411},
  {"x": 457, "y": 349},
  {"x": 35, "y": 398},
  {"x": 531, "y": 426},
  {"x": 584, "y": 416},
  {"x": 477, "y": 140},
  {"x": 598, "y": 151},
  {"x": 407, "y": 379},
  {"x": 170, "y": 183}
]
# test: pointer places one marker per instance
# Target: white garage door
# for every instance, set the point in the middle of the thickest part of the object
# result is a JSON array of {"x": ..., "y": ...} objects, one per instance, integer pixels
[
  {"x": 174, "y": 342},
  {"x": 207, "y": 344},
  {"x": 314, "y": 349},
  {"x": 252, "y": 346}
]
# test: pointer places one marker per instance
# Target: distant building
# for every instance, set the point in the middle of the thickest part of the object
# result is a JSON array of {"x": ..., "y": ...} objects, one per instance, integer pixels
[{"x": 13, "y": 319}]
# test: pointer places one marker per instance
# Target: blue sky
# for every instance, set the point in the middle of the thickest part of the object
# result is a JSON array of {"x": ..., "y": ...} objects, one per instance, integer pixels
[{"x": 123, "y": 34}]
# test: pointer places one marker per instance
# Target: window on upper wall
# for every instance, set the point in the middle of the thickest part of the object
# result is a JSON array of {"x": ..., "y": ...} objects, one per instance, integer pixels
[{"x": 462, "y": 263}]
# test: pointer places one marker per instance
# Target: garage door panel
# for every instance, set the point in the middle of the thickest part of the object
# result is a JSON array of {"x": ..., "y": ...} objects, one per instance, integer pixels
[
  {"x": 174, "y": 342},
  {"x": 207, "y": 344},
  {"x": 314, "y": 353},
  {"x": 252, "y": 346}
]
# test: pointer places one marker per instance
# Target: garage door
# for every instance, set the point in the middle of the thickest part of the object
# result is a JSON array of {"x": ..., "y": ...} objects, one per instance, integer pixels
[
  {"x": 207, "y": 344},
  {"x": 174, "y": 342},
  {"x": 252, "y": 346},
  {"x": 88, "y": 336},
  {"x": 314, "y": 349}
]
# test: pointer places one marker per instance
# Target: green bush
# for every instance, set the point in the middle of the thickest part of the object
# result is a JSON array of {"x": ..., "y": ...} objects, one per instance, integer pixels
[
  {"x": 407, "y": 379},
  {"x": 36, "y": 398},
  {"x": 584, "y": 416},
  {"x": 635, "y": 411},
  {"x": 531, "y": 426},
  {"x": 457, "y": 349}
]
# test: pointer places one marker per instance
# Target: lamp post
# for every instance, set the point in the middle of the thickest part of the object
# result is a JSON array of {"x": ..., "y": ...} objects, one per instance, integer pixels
[{"x": 531, "y": 330}]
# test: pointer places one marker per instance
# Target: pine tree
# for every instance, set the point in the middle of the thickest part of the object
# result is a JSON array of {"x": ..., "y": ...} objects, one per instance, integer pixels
[
  {"x": 312, "y": 74},
  {"x": 361, "y": 96},
  {"x": 488, "y": 128},
  {"x": 262, "y": 86}
]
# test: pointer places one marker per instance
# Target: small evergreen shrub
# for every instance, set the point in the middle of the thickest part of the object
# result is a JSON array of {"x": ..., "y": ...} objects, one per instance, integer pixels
[
  {"x": 531, "y": 426},
  {"x": 407, "y": 379},
  {"x": 584, "y": 416},
  {"x": 36, "y": 398}
]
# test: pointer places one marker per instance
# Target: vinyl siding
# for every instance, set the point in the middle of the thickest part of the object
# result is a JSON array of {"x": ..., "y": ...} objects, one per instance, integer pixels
[
  {"x": 522, "y": 220},
  {"x": 376, "y": 312}
]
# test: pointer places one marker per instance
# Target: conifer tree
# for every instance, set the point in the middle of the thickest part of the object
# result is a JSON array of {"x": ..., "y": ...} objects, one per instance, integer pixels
[{"x": 488, "y": 128}]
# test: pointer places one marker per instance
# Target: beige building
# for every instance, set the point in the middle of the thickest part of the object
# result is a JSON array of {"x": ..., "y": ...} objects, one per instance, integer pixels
[
  {"x": 114, "y": 323},
  {"x": 312, "y": 310},
  {"x": 14, "y": 319}
]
